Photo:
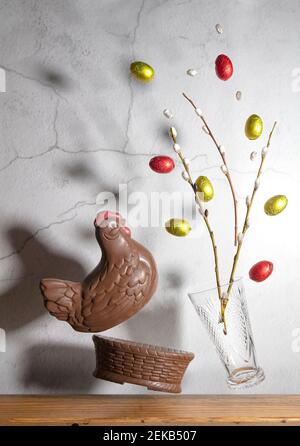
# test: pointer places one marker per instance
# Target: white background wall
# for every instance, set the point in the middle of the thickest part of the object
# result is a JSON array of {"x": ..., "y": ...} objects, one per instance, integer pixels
[{"x": 74, "y": 124}]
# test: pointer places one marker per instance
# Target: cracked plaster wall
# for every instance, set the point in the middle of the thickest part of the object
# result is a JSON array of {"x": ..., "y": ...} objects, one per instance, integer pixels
[{"x": 73, "y": 123}]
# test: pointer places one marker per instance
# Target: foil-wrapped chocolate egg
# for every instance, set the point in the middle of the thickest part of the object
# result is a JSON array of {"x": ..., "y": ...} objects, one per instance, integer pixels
[
  {"x": 275, "y": 205},
  {"x": 223, "y": 67},
  {"x": 253, "y": 127},
  {"x": 142, "y": 71},
  {"x": 162, "y": 164},
  {"x": 261, "y": 271},
  {"x": 178, "y": 227},
  {"x": 204, "y": 185}
]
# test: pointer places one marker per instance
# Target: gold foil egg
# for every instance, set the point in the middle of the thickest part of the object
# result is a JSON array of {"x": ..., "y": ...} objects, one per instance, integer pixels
[
  {"x": 178, "y": 227},
  {"x": 142, "y": 71},
  {"x": 253, "y": 127},
  {"x": 275, "y": 205},
  {"x": 204, "y": 185}
]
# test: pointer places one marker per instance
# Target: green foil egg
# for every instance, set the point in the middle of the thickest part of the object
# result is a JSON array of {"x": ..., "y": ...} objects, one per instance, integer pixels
[
  {"x": 275, "y": 205},
  {"x": 253, "y": 127},
  {"x": 178, "y": 227},
  {"x": 204, "y": 185},
  {"x": 142, "y": 71}
]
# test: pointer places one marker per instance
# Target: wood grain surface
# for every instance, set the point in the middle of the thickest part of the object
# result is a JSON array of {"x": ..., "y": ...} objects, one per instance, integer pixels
[{"x": 150, "y": 410}]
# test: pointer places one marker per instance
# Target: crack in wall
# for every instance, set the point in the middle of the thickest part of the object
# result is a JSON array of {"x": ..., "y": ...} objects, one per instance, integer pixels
[
  {"x": 34, "y": 235},
  {"x": 56, "y": 146},
  {"x": 131, "y": 100},
  {"x": 33, "y": 79},
  {"x": 77, "y": 205},
  {"x": 74, "y": 152},
  {"x": 83, "y": 203}
]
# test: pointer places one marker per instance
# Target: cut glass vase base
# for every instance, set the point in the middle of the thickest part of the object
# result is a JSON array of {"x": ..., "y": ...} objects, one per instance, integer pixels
[{"x": 245, "y": 377}]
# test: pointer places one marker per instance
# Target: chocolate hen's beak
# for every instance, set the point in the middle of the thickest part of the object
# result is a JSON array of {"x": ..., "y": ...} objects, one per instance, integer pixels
[{"x": 126, "y": 230}]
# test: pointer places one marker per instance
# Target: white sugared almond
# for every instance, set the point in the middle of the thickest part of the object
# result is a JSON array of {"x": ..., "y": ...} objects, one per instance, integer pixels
[
  {"x": 192, "y": 72},
  {"x": 168, "y": 114}
]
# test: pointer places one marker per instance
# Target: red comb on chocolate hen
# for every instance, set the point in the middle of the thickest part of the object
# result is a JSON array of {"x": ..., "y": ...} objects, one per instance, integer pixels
[
  {"x": 115, "y": 216},
  {"x": 105, "y": 215}
]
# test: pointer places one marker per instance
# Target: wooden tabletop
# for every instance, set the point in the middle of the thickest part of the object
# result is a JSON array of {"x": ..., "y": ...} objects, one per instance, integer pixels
[{"x": 150, "y": 410}]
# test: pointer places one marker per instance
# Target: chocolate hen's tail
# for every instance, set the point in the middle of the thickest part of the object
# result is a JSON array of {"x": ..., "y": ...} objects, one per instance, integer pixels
[{"x": 62, "y": 298}]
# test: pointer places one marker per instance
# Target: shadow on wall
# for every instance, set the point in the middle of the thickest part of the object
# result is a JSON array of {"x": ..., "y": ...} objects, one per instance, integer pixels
[
  {"x": 54, "y": 77},
  {"x": 59, "y": 368},
  {"x": 159, "y": 322},
  {"x": 84, "y": 173},
  {"x": 23, "y": 302}
]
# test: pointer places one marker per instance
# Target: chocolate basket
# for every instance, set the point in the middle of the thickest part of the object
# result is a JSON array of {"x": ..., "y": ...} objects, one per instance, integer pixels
[{"x": 157, "y": 368}]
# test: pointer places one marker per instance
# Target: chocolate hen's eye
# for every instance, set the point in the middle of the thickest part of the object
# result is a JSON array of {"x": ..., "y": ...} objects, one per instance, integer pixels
[{"x": 112, "y": 224}]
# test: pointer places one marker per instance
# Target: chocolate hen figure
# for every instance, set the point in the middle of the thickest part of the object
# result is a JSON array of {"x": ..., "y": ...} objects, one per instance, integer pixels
[{"x": 122, "y": 283}]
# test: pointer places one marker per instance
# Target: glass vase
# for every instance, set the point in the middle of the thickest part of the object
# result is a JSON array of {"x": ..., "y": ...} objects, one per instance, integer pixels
[{"x": 236, "y": 348}]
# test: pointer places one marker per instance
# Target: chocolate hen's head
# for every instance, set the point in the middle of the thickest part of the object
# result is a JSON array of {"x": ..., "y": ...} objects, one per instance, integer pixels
[{"x": 110, "y": 229}]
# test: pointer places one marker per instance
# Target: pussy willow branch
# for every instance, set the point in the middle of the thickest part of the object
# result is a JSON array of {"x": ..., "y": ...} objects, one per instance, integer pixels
[
  {"x": 246, "y": 222},
  {"x": 222, "y": 155},
  {"x": 205, "y": 218}
]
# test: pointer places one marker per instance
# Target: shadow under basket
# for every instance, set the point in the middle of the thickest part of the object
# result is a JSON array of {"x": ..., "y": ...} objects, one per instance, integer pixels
[{"x": 157, "y": 368}]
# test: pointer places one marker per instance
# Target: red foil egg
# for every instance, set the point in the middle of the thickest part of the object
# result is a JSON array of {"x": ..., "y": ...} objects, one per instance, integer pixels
[
  {"x": 261, "y": 271},
  {"x": 224, "y": 67},
  {"x": 162, "y": 164}
]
